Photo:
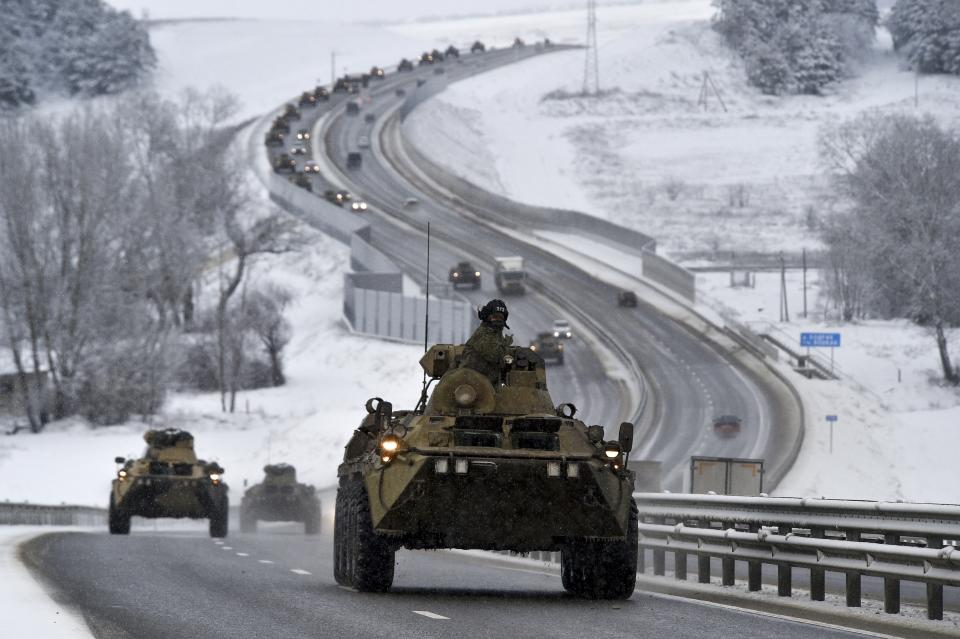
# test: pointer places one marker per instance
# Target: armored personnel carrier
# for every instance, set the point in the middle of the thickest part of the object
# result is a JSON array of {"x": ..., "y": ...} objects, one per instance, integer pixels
[
  {"x": 168, "y": 481},
  {"x": 279, "y": 497},
  {"x": 487, "y": 466},
  {"x": 548, "y": 346}
]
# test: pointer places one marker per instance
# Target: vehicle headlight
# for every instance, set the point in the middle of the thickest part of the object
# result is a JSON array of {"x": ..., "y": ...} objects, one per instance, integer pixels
[
  {"x": 456, "y": 275},
  {"x": 533, "y": 348},
  {"x": 611, "y": 450},
  {"x": 363, "y": 206},
  {"x": 122, "y": 475},
  {"x": 556, "y": 333},
  {"x": 215, "y": 478},
  {"x": 477, "y": 273},
  {"x": 390, "y": 443}
]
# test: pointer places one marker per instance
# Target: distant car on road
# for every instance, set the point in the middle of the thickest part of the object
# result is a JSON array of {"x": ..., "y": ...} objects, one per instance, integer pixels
[
  {"x": 358, "y": 206},
  {"x": 627, "y": 299},
  {"x": 298, "y": 148},
  {"x": 464, "y": 273},
  {"x": 548, "y": 346},
  {"x": 561, "y": 329},
  {"x": 726, "y": 426},
  {"x": 353, "y": 107},
  {"x": 310, "y": 166},
  {"x": 370, "y": 118},
  {"x": 363, "y": 142},
  {"x": 337, "y": 197},
  {"x": 354, "y": 160},
  {"x": 303, "y": 134},
  {"x": 400, "y": 93},
  {"x": 411, "y": 202}
]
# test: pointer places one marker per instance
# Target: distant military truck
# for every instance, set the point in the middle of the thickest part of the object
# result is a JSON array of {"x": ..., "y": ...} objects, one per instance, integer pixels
[
  {"x": 518, "y": 43},
  {"x": 478, "y": 47},
  {"x": 303, "y": 181},
  {"x": 308, "y": 99},
  {"x": 285, "y": 163},
  {"x": 405, "y": 65},
  {"x": 509, "y": 276},
  {"x": 548, "y": 346},
  {"x": 280, "y": 124},
  {"x": 321, "y": 93},
  {"x": 274, "y": 138},
  {"x": 377, "y": 73},
  {"x": 452, "y": 52},
  {"x": 464, "y": 274},
  {"x": 290, "y": 112},
  {"x": 353, "y": 107},
  {"x": 280, "y": 497},
  {"x": 354, "y": 160},
  {"x": 168, "y": 481}
]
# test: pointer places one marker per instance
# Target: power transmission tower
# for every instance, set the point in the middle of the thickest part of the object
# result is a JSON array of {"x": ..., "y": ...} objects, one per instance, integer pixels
[{"x": 591, "y": 67}]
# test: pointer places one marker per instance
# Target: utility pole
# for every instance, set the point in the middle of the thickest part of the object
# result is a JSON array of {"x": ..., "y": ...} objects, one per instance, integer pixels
[
  {"x": 804, "y": 283},
  {"x": 784, "y": 310},
  {"x": 333, "y": 67},
  {"x": 591, "y": 65}
]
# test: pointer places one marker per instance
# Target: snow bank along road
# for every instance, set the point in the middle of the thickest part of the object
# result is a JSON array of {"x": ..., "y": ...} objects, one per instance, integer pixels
[
  {"x": 691, "y": 378},
  {"x": 279, "y": 584}
]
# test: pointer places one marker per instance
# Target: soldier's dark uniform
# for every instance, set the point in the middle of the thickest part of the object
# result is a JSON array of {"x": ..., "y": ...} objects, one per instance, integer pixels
[{"x": 485, "y": 349}]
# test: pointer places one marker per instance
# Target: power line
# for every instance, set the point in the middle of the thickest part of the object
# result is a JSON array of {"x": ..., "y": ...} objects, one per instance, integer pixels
[{"x": 591, "y": 66}]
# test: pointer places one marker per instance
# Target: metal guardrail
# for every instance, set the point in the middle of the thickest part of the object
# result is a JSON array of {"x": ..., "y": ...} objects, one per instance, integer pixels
[
  {"x": 894, "y": 541},
  {"x": 23, "y": 514}
]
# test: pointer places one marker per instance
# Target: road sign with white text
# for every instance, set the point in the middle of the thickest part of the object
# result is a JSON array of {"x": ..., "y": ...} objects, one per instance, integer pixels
[{"x": 820, "y": 340}]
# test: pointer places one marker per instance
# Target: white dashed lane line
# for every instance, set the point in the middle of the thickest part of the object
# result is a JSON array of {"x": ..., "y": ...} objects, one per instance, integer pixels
[
  {"x": 300, "y": 571},
  {"x": 226, "y": 548},
  {"x": 219, "y": 543},
  {"x": 430, "y": 615},
  {"x": 265, "y": 561},
  {"x": 243, "y": 554}
]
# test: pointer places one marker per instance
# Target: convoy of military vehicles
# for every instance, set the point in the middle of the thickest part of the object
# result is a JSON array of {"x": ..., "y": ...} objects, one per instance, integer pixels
[{"x": 474, "y": 465}]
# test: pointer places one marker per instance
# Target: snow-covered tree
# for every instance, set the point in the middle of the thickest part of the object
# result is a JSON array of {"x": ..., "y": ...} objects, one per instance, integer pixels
[
  {"x": 927, "y": 32},
  {"x": 903, "y": 226}
]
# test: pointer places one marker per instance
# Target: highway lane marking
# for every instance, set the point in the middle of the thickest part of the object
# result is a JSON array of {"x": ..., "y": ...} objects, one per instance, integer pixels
[
  {"x": 265, "y": 561},
  {"x": 226, "y": 548},
  {"x": 219, "y": 543},
  {"x": 431, "y": 615},
  {"x": 243, "y": 554},
  {"x": 300, "y": 571}
]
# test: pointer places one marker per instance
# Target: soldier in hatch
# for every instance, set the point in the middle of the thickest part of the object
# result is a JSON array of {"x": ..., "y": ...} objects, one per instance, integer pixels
[{"x": 485, "y": 349}]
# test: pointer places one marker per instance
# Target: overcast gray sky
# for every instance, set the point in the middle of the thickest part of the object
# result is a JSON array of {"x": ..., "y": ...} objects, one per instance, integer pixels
[{"x": 354, "y": 11}]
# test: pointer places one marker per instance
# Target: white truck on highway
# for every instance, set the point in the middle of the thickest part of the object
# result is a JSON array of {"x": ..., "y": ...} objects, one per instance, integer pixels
[{"x": 509, "y": 275}]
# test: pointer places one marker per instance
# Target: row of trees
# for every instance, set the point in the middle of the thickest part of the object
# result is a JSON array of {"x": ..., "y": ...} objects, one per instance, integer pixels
[
  {"x": 797, "y": 46},
  {"x": 894, "y": 253},
  {"x": 75, "y": 47},
  {"x": 126, "y": 232},
  {"x": 927, "y": 32}
]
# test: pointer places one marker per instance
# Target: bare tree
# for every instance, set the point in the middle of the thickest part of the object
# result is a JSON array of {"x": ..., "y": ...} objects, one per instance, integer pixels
[
  {"x": 265, "y": 310},
  {"x": 900, "y": 174}
]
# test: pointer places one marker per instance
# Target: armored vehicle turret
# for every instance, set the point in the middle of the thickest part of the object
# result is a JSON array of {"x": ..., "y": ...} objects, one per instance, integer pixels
[
  {"x": 280, "y": 497},
  {"x": 168, "y": 481},
  {"x": 487, "y": 466}
]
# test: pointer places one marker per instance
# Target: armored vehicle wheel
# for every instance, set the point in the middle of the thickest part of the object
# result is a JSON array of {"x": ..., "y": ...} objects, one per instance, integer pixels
[
  {"x": 219, "y": 517},
  {"x": 118, "y": 521},
  {"x": 602, "y": 569},
  {"x": 311, "y": 523},
  {"x": 248, "y": 522},
  {"x": 364, "y": 559}
]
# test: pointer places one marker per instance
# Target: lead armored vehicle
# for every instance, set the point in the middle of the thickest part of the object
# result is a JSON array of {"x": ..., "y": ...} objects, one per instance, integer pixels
[
  {"x": 168, "y": 481},
  {"x": 487, "y": 466},
  {"x": 548, "y": 346},
  {"x": 280, "y": 497}
]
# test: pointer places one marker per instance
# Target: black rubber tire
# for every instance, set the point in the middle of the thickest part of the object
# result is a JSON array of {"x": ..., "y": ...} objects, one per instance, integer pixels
[
  {"x": 602, "y": 569},
  {"x": 248, "y": 521},
  {"x": 341, "y": 565},
  {"x": 368, "y": 558},
  {"x": 118, "y": 521},
  {"x": 220, "y": 517}
]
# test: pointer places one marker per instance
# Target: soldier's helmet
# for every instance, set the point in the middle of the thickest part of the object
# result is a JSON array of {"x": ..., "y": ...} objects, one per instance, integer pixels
[{"x": 491, "y": 308}]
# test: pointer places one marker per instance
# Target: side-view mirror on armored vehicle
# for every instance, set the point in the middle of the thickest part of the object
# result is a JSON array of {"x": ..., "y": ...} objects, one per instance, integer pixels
[
  {"x": 119, "y": 460},
  {"x": 626, "y": 437}
]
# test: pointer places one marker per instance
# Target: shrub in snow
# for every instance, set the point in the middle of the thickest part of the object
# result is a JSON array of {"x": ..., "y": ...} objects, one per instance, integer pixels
[{"x": 927, "y": 32}]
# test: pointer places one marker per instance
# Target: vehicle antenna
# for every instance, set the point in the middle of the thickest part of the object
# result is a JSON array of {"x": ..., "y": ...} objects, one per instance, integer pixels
[{"x": 422, "y": 404}]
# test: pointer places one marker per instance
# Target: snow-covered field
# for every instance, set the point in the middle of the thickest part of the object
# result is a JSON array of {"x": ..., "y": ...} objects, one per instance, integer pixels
[{"x": 700, "y": 177}]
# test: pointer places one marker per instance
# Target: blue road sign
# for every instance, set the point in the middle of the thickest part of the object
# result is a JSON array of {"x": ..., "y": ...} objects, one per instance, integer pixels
[
  {"x": 831, "y": 418},
  {"x": 820, "y": 340}
]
